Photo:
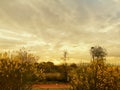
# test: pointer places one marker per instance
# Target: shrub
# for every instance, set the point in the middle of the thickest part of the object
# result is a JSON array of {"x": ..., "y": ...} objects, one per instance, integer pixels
[
  {"x": 95, "y": 76},
  {"x": 17, "y": 71}
]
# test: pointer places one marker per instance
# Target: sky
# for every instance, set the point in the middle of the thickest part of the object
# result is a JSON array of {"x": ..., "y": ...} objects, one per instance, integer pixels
[{"x": 48, "y": 27}]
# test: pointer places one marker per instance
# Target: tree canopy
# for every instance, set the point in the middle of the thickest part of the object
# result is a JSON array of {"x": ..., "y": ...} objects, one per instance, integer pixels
[{"x": 98, "y": 53}]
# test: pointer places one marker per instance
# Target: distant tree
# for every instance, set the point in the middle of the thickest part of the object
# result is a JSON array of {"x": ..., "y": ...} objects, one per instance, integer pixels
[
  {"x": 47, "y": 66},
  {"x": 98, "y": 53},
  {"x": 73, "y": 65}
]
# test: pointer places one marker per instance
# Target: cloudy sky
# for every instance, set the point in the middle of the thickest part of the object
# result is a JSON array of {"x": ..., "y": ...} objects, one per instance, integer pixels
[{"x": 48, "y": 27}]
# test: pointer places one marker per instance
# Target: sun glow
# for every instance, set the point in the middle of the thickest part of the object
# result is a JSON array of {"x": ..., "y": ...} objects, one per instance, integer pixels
[{"x": 49, "y": 28}]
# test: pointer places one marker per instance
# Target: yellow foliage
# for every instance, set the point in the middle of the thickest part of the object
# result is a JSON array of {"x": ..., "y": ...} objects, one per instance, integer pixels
[
  {"x": 17, "y": 70},
  {"x": 96, "y": 76}
]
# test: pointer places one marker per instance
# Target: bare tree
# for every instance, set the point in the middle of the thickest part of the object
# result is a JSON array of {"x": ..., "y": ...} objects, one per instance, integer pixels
[{"x": 65, "y": 64}]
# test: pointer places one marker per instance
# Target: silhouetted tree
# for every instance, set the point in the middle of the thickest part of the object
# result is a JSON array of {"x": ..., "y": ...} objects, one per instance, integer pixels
[{"x": 98, "y": 53}]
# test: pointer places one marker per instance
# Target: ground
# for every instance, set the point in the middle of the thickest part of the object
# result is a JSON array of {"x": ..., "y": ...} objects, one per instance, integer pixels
[{"x": 51, "y": 87}]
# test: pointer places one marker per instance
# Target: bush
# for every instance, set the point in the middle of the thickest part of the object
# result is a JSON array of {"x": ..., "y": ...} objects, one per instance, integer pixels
[
  {"x": 95, "y": 76},
  {"x": 54, "y": 77},
  {"x": 17, "y": 71}
]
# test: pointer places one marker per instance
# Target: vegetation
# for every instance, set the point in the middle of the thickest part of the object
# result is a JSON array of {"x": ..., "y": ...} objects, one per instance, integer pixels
[
  {"x": 97, "y": 75},
  {"x": 19, "y": 70},
  {"x": 98, "y": 53}
]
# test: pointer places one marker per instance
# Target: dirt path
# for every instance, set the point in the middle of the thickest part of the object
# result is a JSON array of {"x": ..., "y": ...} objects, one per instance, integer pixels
[{"x": 51, "y": 86}]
